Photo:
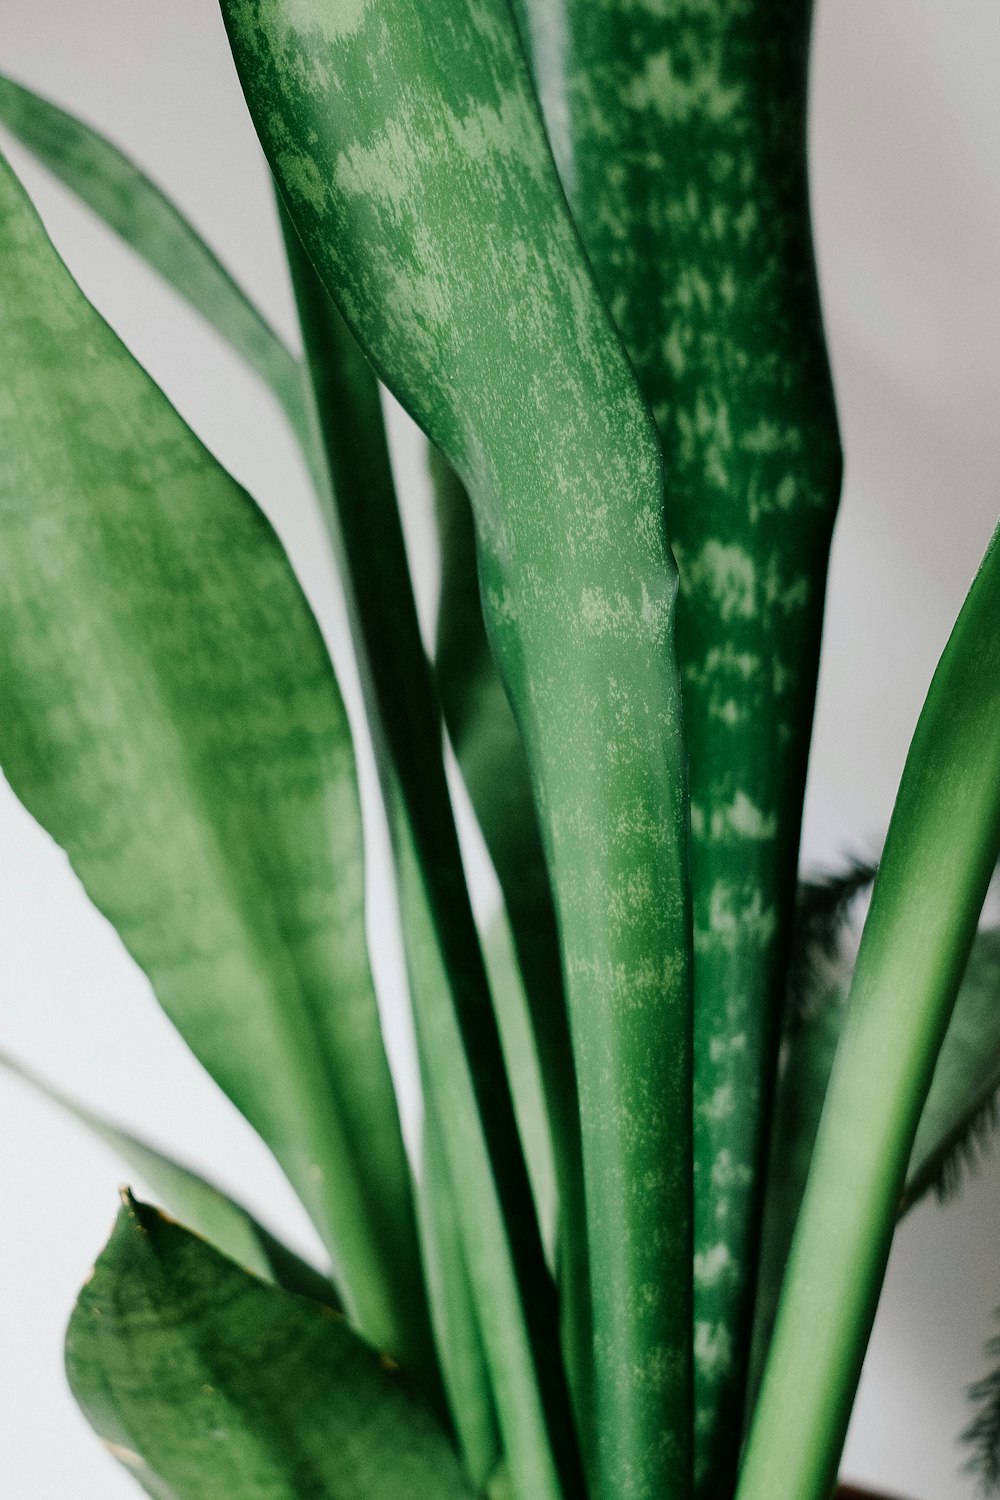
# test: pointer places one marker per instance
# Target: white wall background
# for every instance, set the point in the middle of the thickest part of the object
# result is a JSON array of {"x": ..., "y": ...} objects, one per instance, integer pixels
[{"x": 906, "y": 164}]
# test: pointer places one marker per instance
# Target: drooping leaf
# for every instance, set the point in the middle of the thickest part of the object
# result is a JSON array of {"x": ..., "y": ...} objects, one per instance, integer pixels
[
  {"x": 205, "y": 1382},
  {"x": 187, "y": 1196},
  {"x": 170, "y": 715},
  {"x": 679, "y": 131},
  {"x": 407, "y": 144},
  {"x": 121, "y": 194},
  {"x": 940, "y": 852}
]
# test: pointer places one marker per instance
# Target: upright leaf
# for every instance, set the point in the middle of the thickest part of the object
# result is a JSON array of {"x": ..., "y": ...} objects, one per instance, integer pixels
[
  {"x": 488, "y": 747},
  {"x": 679, "y": 130},
  {"x": 120, "y": 194},
  {"x": 408, "y": 146},
  {"x": 359, "y": 507},
  {"x": 197, "y": 1203},
  {"x": 205, "y": 1382},
  {"x": 169, "y": 714},
  {"x": 942, "y": 846},
  {"x": 956, "y": 1122}
]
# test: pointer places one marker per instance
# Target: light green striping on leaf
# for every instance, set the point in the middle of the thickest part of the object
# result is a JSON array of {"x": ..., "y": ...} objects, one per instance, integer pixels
[
  {"x": 170, "y": 715},
  {"x": 207, "y": 1383},
  {"x": 413, "y": 161},
  {"x": 679, "y": 130}
]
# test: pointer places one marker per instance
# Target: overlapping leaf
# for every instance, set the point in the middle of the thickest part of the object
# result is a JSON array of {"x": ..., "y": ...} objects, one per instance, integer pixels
[
  {"x": 679, "y": 131},
  {"x": 407, "y": 144},
  {"x": 170, "y": 716},
  {"x": 940, "y": 853},
  {"x": 201, "y": 1206},
  {"x": 205, "y": 1382},
  {"x": 127, "y": 201}
]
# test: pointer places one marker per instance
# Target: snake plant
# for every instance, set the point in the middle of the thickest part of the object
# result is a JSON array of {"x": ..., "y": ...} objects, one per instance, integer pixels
[{"x": 636, "y": 1248}]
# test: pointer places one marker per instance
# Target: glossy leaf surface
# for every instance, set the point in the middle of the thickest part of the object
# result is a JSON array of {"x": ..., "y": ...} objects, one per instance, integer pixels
[
  {"x": 205, "y": 1382},
  {"x": 171, "y": 717},
  {"x": 940, "y": 853},
  {"x": 121, "y": 194},
  {"x": 408, "y": 146},
  {"x": 197, "y": 1203},
  {"x": 679, "y": 131}
]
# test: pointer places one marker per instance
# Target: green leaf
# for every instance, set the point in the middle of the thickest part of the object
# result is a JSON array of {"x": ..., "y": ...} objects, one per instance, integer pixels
[
  {"x": 121, "y": 195},
  {"x": 445, "y": 965},
  {"x": 679, "y": 131},
  {"x": 187, "y": 1196},
  {"x": 407, "y": 144},
  {"x": 487, "y": 744},
  {"x": 205, "y": 1382},
  {"x": 956, "y": 1121},
  {"x": 940, "y": 853},
  {"x": 170, "y": 715}
]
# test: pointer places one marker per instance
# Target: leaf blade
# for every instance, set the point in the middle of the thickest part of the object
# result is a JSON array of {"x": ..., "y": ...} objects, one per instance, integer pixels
[
  {"x": 131, "y": 205},
  {"x": 194, "y": 762},
  {"x": 197, "y": 1203},
  {"x": 204, "y": 1382},
  {"x": 940, "y": 853},
  {"x": 396, "y": 184}
]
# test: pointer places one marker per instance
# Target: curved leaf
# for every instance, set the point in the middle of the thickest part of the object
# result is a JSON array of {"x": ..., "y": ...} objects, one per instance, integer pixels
[
  {"x": 679, "y": 130},
  {"x": 940, "y": 853},
  {"x": 187, "y": 1196},
  {"x": 407, "y": 144},
  {"x": 171, "y": 717},
  {"x": 120, "y": 194},
  {"x": 205, "y": 1382}
]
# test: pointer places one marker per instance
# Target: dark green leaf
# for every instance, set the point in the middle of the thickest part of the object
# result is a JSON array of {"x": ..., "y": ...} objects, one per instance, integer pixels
[
  {"x": 134, "y": 207},
  {"x": 208, "y": 1384},
  {"x": 407, "y": 144},
  {"x": 679, "y": 131},
  {"x": 940, "y": 852},
  {"x": 198, "y": 1204},
  {"x": 169, "y": 714}
]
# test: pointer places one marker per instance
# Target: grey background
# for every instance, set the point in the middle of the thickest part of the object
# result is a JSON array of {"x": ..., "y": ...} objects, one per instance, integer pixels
[{"x": 906, "y": 174}]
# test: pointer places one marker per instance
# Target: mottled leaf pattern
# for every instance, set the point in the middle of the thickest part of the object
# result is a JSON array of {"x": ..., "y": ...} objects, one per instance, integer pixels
[
  {"x": 194, "y": 760},
  {"x": 940, "y": 852},
  {"x": 207, "y": 1383},
  {"x": 679, "y": 129},
  {"x": 407, "y": 143}
]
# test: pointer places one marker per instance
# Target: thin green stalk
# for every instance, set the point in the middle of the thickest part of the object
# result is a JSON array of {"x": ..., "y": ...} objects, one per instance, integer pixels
[{"x": 940, "y": 853}]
